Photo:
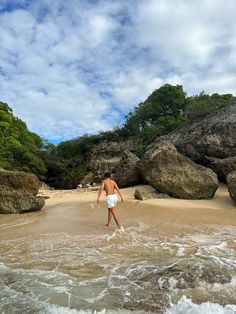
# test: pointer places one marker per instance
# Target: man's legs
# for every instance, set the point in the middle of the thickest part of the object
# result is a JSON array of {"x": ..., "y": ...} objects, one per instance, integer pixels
[
  {"x": 109, "y": 217},
  {"x": 112, "y": 212}
]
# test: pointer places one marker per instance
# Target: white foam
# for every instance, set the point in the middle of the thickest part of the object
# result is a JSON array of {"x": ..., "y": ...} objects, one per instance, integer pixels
[
  {"x": 115, "y": 233},
  {"x": 180, "y": 251},
  {"x": 186, "y": 306},
  {"x": 54, "y": 309}
]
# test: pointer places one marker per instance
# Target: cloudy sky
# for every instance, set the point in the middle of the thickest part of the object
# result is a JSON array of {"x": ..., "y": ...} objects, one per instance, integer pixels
[{"x": 79, "y": 66}]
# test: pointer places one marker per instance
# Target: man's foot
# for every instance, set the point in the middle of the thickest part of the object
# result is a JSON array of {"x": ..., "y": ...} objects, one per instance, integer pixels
[
  {"x": 121, "y": 229},
  {"x": 107, "y": 225}
]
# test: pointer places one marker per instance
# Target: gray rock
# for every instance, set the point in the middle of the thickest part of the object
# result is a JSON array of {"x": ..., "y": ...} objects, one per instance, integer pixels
[
  {"x": 104, "y": 158},
  {"x": 222, "y": 167},
  {"x": 18, "y": 192},
  {"x": 126, "y": 173},
  {"x": 144, "y": 195},
  {"x": 231, "y": 182},
  {"x": 20, "y": 204},
  {"x": 13, "y": 182},
  {"x": 213, "y": 136},
  {"x": 172, "y": 173}
]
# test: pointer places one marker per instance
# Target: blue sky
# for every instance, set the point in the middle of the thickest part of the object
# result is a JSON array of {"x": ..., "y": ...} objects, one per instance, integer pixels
[{"x": 78, "y": 66}]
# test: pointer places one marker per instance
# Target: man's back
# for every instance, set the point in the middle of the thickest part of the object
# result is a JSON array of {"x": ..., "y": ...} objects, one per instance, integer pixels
[{"x": 109, "y": 186}]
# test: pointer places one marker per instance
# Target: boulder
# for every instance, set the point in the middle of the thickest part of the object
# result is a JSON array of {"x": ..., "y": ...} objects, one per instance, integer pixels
[
  {"x": 222, "y": 167},
  {"x": 19, "y": 204},
  {"x": 213, "y": 136},
  {"x": 45, "y": 187},
  {"x": 126, "y": 173},
  {"x": 18, "y": 192},
  {"x": 106, "y": 157},
  {"x": 172, "y": 173},
  {"x": 144, "y": 195},
  {"x": 231, "y": 182},
  {"x": 18, "y": 182}
]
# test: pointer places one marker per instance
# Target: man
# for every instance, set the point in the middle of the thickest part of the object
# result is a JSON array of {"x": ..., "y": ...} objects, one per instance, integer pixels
[{"x": 110, "y": 186}]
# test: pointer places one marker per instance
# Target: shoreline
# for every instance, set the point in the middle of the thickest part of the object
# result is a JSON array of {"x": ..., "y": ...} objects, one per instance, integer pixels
[{"x": 75, "y": 212}]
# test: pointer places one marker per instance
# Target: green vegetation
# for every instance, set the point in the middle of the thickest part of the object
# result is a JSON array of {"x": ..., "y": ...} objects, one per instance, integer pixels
[
  {"x": 160, "y": 114},
  {"x": 63, "y": 166},
  {"x": 203, "y": 104},
  {"x": 19, "y": 146}
]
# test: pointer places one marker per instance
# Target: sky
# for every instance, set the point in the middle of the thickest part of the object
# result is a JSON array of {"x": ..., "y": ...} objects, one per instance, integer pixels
[{"x": 79, "y": 66}]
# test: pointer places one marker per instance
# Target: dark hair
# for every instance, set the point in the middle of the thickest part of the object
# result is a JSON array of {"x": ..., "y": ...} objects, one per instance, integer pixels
[{"x": 107, "y": 175}]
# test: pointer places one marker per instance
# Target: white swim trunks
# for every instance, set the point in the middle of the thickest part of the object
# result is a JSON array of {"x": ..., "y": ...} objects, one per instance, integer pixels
[{"x": 111, "y": 200}]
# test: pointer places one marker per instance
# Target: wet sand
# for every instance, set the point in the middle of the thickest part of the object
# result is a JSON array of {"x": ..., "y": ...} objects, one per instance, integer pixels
[
  {"x": 75, "y": 212},
  {"x": 174, "y": 255}
]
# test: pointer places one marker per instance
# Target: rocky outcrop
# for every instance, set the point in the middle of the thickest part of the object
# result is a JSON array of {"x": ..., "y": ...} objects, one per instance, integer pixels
[
  {"x": 126, "y": 173},
  {"x": 45, "y": 187},
  {"x": 231, "y": 182},
  {"x": 222, "y": 167},
  {"x": 18, "y": 192},
  {"x": 106, "y": 157},
  {"x": 20, "y": 204},
  {"x": 172, "y": 173},
  {"x": 141, "y": 195},
  {"x": 213, "y": 136}
]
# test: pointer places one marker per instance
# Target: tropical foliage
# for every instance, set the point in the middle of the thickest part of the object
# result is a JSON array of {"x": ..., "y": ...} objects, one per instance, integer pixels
[{"x": 19, "y": 147}]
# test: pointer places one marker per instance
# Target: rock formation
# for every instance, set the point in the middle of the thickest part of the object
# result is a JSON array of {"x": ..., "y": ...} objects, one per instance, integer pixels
[
  {"x": 213, "y": 136},
  {"x": 18, "y": 192},
  {"x": 172, "y": 173},
  {"x": 126, "y": 173},
  {"x": 106, "y": 157},
  {"x": 141, "y": 195},
  {"x": 231, "y": 182},
  {"x": 222, "y": 167}
]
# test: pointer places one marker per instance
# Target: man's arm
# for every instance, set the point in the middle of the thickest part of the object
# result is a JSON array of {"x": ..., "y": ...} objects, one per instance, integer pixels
[
  {"x": 100, "y": 192},
  {"x": 118, "y": 191}
]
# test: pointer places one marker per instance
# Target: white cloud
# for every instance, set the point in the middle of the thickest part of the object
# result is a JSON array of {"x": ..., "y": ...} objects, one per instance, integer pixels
[{"x": 77, "y": 67}]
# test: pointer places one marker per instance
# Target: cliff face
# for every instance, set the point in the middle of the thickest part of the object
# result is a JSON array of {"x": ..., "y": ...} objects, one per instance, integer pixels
[
  {"x": 213, "y": 136},
  {"x": 106, "y": 157}
]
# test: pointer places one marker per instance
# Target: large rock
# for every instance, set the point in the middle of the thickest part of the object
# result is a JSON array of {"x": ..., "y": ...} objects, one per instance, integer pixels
[
  {"x": 18, "y": 182},
  {"x": 222, "y": 167},
  {"x": 20, "y": 204},
  {"x": 126, "y": 173},
  {"x": 106, "y": 157},
  {"x": 231, "y": 182},
  {"x": 213, "y": 136},
  {"x": 18, "y": 192},
  {"x": 172, "y": 173},
  {"x": 143, "y": 195}
]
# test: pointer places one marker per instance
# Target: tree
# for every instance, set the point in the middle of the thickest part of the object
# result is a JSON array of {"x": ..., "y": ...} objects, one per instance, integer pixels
[
  {"x": 19, "y": 146},
  {"x": 162, "y": 112}
]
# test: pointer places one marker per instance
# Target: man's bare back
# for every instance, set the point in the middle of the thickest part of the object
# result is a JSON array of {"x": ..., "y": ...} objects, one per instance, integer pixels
[{"x": 109, "y": 186}]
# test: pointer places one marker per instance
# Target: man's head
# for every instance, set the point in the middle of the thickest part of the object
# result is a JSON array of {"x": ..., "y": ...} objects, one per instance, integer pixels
[{"x": 107, "y": 175}]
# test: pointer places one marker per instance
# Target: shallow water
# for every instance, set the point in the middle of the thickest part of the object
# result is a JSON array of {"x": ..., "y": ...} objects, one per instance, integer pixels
[{"x": 139, "y": 271}]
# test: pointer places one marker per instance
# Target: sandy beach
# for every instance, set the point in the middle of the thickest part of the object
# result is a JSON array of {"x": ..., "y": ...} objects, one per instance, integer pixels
[{"x": 76, "y": 212}]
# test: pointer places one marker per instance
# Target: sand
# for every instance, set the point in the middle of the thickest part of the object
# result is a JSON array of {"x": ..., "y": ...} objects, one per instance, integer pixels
[{"x": 76, "y": 212}]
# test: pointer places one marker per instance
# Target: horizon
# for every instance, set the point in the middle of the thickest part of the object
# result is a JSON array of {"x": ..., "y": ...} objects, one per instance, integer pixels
[{"x": 79, "y": 68}]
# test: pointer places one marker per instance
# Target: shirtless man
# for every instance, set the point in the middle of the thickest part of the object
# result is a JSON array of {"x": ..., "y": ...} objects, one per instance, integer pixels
[{"x": 109, "y": 186}]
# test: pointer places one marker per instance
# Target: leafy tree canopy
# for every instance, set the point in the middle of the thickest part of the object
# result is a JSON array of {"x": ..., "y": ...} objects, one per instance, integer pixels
[
  {"x": 19, "y": 146},
  {"x": 159, "y": 114}
]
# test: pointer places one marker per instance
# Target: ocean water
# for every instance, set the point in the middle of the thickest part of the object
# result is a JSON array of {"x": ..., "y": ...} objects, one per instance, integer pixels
[{"x": 136, "y": 271}]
